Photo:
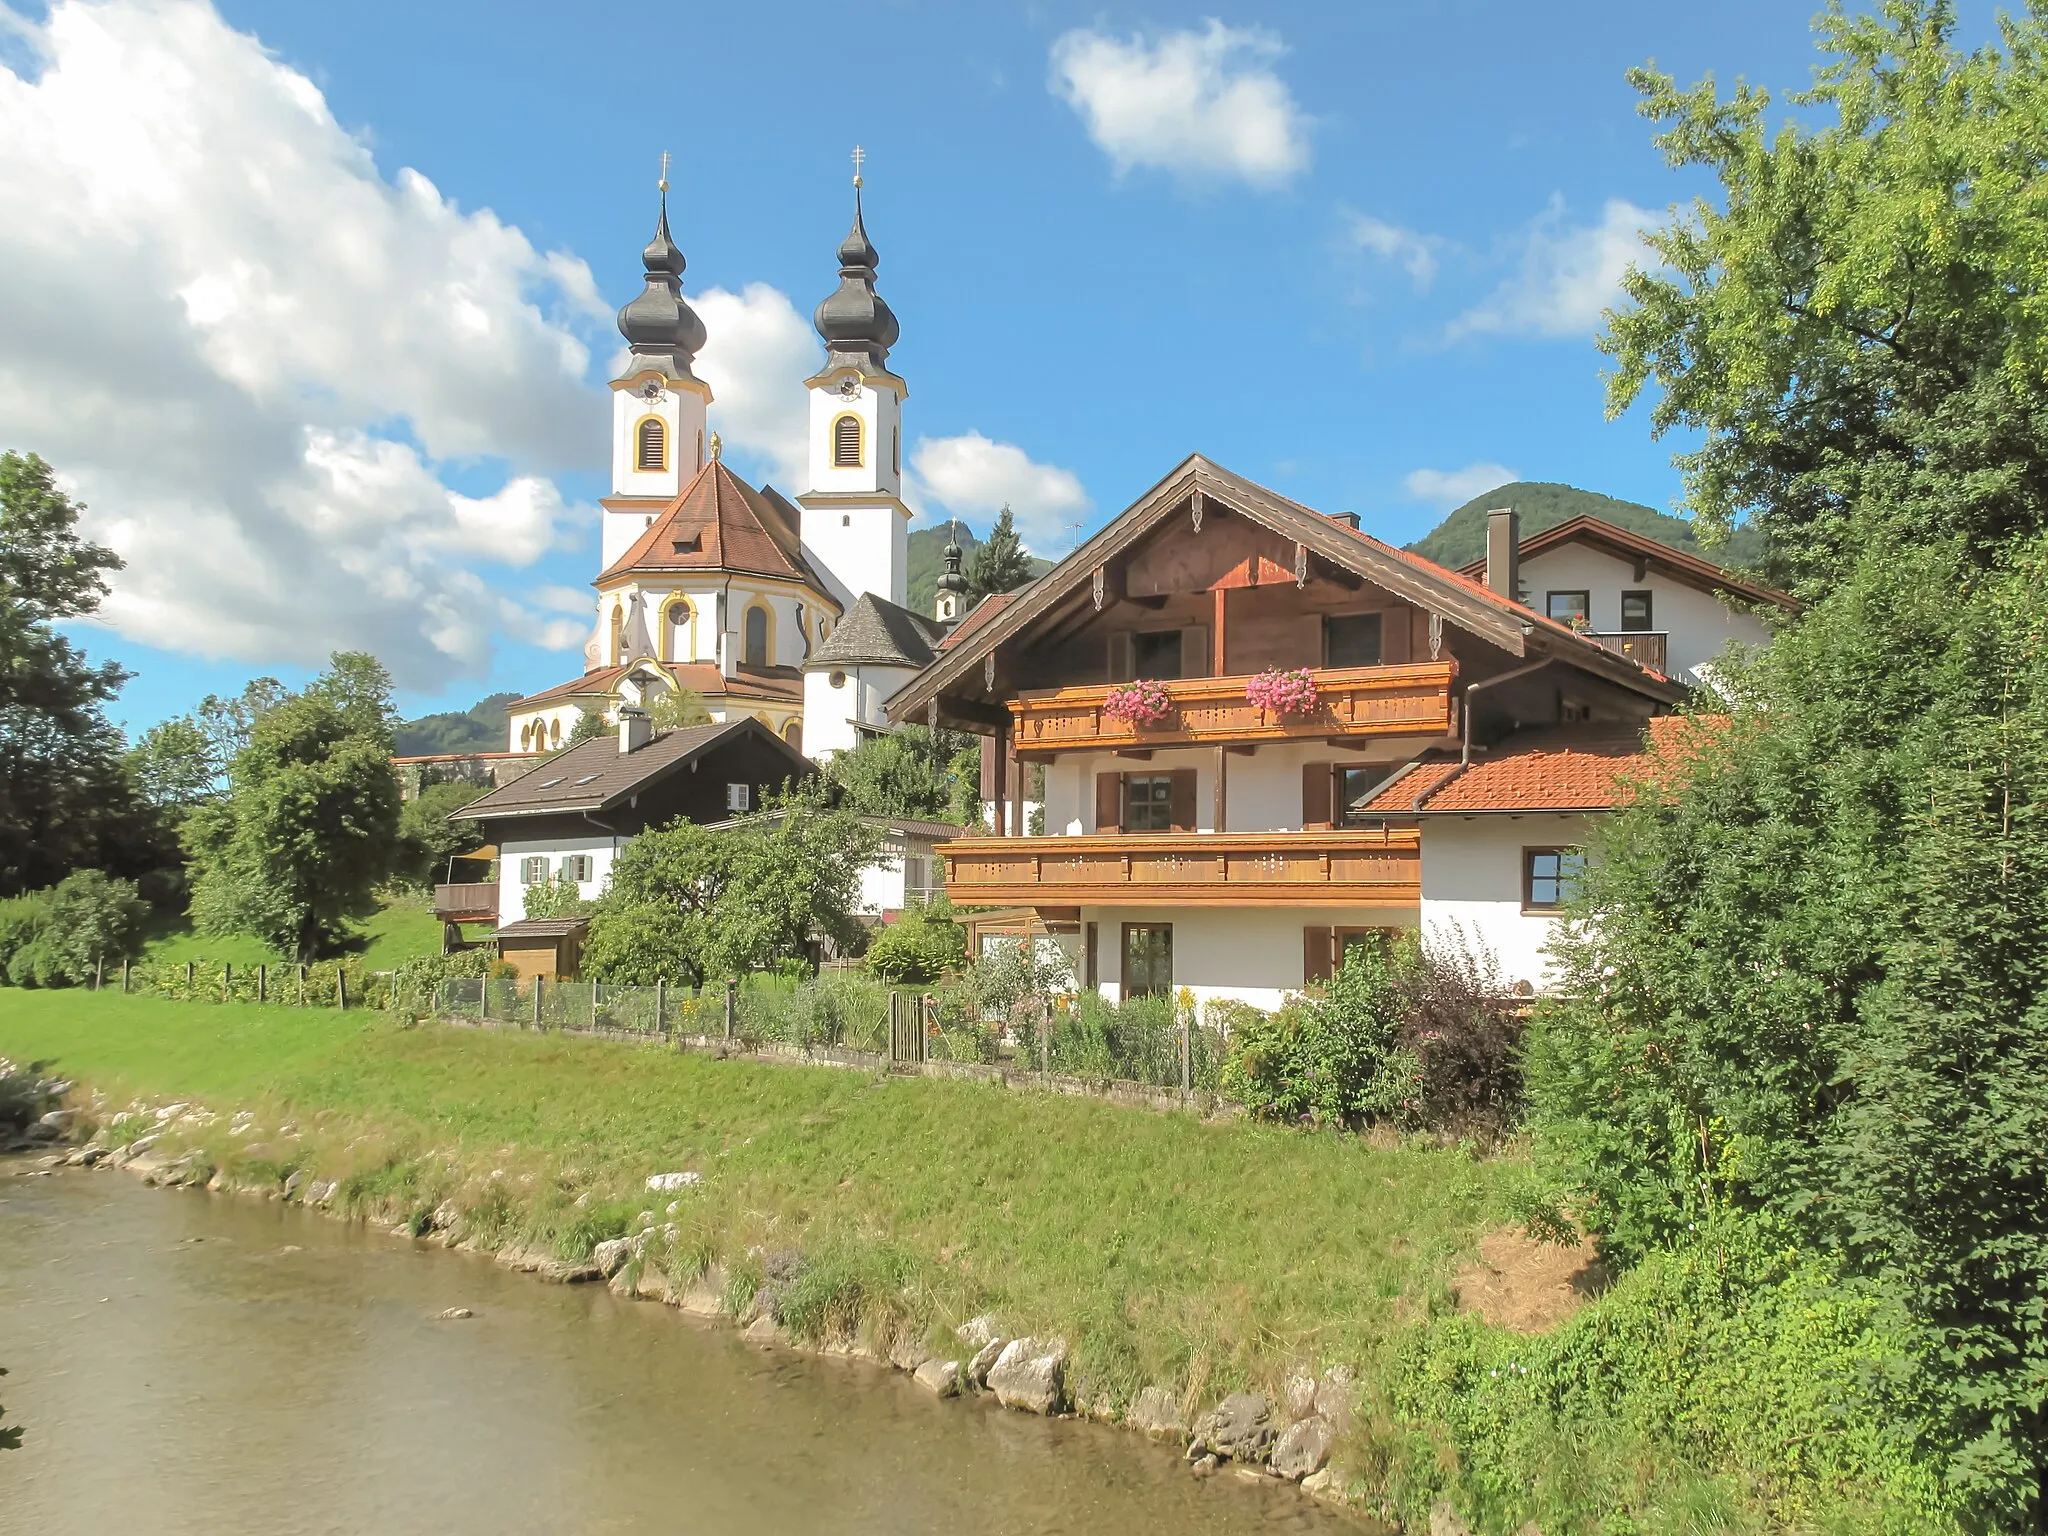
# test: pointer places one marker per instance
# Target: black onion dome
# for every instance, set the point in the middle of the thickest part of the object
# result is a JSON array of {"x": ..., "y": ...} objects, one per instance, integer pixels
[
  {"x": 662, "y": 329},
  {"x": 857, "y": 324},
  {"x": 950, "y": 579}
]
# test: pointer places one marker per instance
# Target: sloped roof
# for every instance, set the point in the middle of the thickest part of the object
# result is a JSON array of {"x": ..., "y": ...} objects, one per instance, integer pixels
[
  {"x": 1460, "y": 600},
  {"x": 1566, "y": 768},
  {"x": 779, "y": 685},
  {"x": 594, "y": 775},
  {"x": 877, "y": 632},
  {"x": 978, "y": 615},
  {"x": 1626, "y": 544},
  {"x": 720, "y": 523}
]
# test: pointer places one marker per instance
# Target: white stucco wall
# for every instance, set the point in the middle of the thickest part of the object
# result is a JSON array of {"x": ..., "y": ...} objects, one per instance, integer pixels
[
  {"x": 1263, "y": 791},
  {"x": 832, "y": 715},
  {"x": 514, "y": 851},
  {"x": 683, "y": 413},
  {"x": 1698, "y": 623},
  {"x": 1254, "y": 955},
  {"x": 1472, "y": 883}
]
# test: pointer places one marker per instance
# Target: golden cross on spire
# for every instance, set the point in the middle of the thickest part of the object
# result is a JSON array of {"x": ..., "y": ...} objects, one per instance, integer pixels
[
  {"x": 664, "y": 171},
  {"x": 859, "y": 157}
]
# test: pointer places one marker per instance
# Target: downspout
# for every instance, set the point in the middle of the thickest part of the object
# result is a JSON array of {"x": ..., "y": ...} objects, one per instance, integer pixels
[{"x": 1465, "y": 727}]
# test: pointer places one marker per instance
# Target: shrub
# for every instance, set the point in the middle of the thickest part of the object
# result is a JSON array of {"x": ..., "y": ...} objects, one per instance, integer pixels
[
  {"x": 921, "y": 946},
  {"x": 1455, "y": 1065},
  {"x": 1320, "y": 1058},
  {"x": 55, "y": 938}
]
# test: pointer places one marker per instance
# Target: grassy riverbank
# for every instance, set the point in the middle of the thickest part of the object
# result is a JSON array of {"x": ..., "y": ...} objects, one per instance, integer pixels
[{"x": 1202, "y": 1256}]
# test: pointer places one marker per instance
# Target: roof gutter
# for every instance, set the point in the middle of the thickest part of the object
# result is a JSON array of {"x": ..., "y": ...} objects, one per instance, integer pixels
[{"x": 1465, "y": 724}]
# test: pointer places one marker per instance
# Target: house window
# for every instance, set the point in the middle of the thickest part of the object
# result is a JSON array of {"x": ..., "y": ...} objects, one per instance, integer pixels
[
  {"x": 1157, "y": 655},
  {"x": 755, "y": 644},
  {"x": 1351, "y": 640},
  {"x": 650, "y": 444},
  {"x": 1148, "y": 959},
  {"x": 534, "y": 870},
  {"x": 739, "y": 797},
  {"x": 1550, "y": 877},
  {"x": 576, "y": 867},
  {"x": 1635, "y": 610},
  {"x": 917, "y": 878},
  {"x": 1572, "y": 608},
  {"x": 1357, "y": 783},
  {"x": 846, "y": 443},
  {"x": 1148, "y": 803}
]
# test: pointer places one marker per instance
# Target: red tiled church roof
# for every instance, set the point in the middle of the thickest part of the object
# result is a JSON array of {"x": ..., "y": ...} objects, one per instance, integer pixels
[
  {"x": 720, "y": 523},
  {"x": 781, "y": 685}
]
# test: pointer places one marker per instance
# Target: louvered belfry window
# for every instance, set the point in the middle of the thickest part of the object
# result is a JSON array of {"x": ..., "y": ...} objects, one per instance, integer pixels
[
  {"x": 651, "y": 448},
  {"x": 846, "y": 443}
]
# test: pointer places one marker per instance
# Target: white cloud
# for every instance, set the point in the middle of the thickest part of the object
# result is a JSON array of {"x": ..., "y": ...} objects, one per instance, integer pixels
[
  {"x": 1204, "y": 104},
  {"x": 976, "y": 477},
  {"x": 1414, "y": 253},
  {"x": 757, "y": 353},
  {"x": 254, "y": 356},
  {"x": 1447, "y": 488},
  {"x": 1568, "y": 274}
]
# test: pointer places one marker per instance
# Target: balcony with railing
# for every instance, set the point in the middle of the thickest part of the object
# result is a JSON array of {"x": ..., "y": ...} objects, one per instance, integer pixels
[
  {"x": 1351, "y": 702},
  {"x": 1379, "y": 868},
  {"x": 473, "y": 901},
  {"x": 1644, "y": 647}
]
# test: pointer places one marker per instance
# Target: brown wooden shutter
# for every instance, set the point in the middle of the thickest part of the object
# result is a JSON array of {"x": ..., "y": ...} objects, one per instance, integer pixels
[
  {"x": 1315, "y": 955},
  {"x": 991, "y": 768},
  {"x": 1194, "y": 651},
  {"x": 1318, "y": 796},
  {"x": 1109, "y": 802},
  {"x": 1123, "y": 665},
  {"x": 1183, "y": 799},
  {"x": 1092, "y": 962}
]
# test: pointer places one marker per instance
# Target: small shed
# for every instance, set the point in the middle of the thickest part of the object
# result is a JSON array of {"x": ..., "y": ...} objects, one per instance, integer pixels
[{"x": 548, "y": 947}]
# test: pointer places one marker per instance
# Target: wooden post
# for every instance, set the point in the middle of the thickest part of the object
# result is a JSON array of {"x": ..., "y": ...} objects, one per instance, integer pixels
[
  {"x": 1187, "y": 1060},
  {"x": 124, "y": 978},
  {"x": 227, "y": 980},
  {"x": 302, "y": 984},
  {"x": 262, "y": 983},
  {"x": 341, "y": 989},
  {"x": 188, "y": 981},
  {"x": 660, "y": 1006},
  {"x": 732, "y": 1003},
  {"x": 1044, "y": 1036},
  {"x": 593, "y": 1002},
  {"x": 538, "y": 983},
  {"x": 1217, "y": 646}
]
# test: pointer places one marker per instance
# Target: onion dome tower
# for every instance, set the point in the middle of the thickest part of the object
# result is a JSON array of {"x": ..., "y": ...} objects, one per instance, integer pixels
[
  {"x": 855, "y": 526},
  {"x": 951, "y": 606},
  {"x": 658, "y": 402}
]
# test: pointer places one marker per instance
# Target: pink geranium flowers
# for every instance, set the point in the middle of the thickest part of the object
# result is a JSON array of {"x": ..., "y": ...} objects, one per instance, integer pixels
[
  {"x": 1144, "y": 702},
  {"x": 1283, "y": 693}
]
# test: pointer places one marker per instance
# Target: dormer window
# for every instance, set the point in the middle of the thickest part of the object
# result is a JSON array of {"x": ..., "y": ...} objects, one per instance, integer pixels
[
  {"x": 650, "y": 445},
  {"x": 846, "y": 443},
  {"x": 690, "y": 545}
]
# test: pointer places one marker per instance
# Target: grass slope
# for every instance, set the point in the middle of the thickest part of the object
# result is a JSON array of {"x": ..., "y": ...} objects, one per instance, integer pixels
[
  {"x": 398, "y": 931},
  {"x": 1461, "y": 537}
]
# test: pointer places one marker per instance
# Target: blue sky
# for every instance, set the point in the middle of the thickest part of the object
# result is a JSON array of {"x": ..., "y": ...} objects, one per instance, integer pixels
[{"x": 1354, "y": 251}]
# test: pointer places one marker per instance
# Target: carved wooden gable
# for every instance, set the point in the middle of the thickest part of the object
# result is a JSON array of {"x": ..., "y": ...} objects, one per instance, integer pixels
[{"x": 1228, "y": 552}]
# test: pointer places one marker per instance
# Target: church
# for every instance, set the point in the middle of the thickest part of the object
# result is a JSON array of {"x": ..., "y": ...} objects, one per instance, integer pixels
[{"x": 787, "y": 612}]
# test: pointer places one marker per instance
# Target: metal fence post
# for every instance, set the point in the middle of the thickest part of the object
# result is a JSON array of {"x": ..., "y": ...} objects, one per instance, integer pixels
[
  {"x": 732, "y": 1004},
  {"x": 99, "y": 972},
  {"x": 341, "y": 989},
  {"x": 538, "y": 983},
  {"x": 593, "y": 1002},
  {"x": 660, "y": 1006},
  {"x": 124, "y": 978},
  {"x": 1045, "y": 1039},
  {"x": 262, "y": 983},
  {"x": 927, "y": 1025},
  {"x": 1187, "y": 1063}
]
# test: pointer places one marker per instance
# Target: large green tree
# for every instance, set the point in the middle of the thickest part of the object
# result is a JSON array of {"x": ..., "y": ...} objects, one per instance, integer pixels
[
  {"x": 912, "y": 771},
  {"x": 310, "y": 823},
  {"x": 65, "y": 802},
  {"x": 686, "y": 903},
  {"x": 1858, "y": 327},
  {"x": 1000, "y": 565}
]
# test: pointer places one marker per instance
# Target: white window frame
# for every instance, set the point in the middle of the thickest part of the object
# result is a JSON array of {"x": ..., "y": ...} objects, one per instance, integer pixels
[
  {"x": 533, "y": 869},
  {"x": 739, "y": 798}
]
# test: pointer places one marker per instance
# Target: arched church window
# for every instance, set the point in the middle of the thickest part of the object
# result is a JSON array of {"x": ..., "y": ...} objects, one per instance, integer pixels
[
  {"x": 754, "y": 650},
  {"x": 896, "y": 451},
  {"x": 555, "y": 731},
  {"x": 846, "y": 442},
  {"x": 650, "y": 444},
  {"x": 526, "y": 737},
  {"x": 678, "y": 615},
  {"x": 618, "y": 634},
  {"x": 793, "y": 733}
]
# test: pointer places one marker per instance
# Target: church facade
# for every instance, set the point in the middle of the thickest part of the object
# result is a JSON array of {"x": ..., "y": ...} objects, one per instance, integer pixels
[{"x": 787, "y": 611}]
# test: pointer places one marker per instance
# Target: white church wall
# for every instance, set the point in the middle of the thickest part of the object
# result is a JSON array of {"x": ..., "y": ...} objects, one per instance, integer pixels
[{"x": 880, "y": 413}]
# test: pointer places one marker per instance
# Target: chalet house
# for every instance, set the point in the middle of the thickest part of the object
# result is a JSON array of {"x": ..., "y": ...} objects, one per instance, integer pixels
[
  {"x": 1196, "y": 836},
  {"x": 568, "y": 819}
]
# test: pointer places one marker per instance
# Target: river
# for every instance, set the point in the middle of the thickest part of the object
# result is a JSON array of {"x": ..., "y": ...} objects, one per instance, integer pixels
[{"x": 184, "y": 1362}]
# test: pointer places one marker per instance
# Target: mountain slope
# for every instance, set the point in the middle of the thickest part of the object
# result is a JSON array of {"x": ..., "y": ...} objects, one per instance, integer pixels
[
  {"x": 1461, "y": 537},
  {"x": 480, "y": 728},
  {"x": 928, "y": 558}
]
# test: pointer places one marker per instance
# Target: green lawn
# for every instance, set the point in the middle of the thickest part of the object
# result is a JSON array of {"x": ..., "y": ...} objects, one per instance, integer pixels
[
  {"x": 401, "y": 929},
  {"x": 1166, "y": 1247}
]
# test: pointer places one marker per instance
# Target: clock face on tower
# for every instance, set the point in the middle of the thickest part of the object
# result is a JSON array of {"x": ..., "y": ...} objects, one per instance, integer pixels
[{"x": 849, "y": 387}]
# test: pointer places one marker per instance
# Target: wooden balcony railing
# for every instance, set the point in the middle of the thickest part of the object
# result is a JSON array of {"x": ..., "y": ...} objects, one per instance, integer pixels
[
  {"x": 1410, "y": 700},
  {"x": 1381, "y": 868},
  {"x": 475, "y": 902},
  {"x": 1644, "y": 647}
]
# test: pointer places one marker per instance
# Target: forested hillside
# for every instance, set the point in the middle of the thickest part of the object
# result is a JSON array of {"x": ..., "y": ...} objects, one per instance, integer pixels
[
  {"x": 1461, "y": 538},
  {"x": 928, "y": 558},
  {"x": 480, "y": 728}
]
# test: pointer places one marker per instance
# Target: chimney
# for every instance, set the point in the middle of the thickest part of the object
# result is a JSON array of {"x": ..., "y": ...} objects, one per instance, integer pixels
[
  {"x": 1348, "y": 519},
  {"x": 1504, "y": 553},
  {"x": 636, "y": 729}
]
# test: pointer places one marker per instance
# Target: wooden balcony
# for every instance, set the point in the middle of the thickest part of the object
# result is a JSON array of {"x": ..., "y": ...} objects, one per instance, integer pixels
[
  {"x": 1380, "y": 868},
  {"x": 1644, "y": 647},
  {"x": 474, "y": 902},
  {"x": 1352, "y": 703}
]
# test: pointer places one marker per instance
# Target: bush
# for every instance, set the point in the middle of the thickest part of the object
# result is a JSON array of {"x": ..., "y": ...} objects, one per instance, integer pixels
[
  {"x": 1455, "y": 1065},
  {"x": 56, "y": 938},
  {"x": 1320, "y": 1059},
  {"x": 921, "y": 946}
]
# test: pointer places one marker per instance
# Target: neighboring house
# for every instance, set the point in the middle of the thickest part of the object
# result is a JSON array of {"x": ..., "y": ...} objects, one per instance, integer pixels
[
  {"x": 1230, "y": 849},
  {"x": 727, "y": 590},
  {"x": 1672, "y": 611},
  {"x": 568, "y": 820}
]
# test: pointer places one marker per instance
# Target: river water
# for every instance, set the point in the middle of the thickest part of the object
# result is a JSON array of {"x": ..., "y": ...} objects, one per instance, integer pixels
[{"x": 192, "y": 1363}]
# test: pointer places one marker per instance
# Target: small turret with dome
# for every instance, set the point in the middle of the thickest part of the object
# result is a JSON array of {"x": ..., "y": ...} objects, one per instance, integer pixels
[
  {"x": 951, "y": 604},
  {"x": 658, "y": 324},
  {"x": 856, "y": 323}
]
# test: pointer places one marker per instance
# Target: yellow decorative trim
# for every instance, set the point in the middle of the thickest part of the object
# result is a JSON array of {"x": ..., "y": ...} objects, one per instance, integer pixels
[
  {"x": 767, "y": 612},
  {"x": 860, "y": 441},
  {"x": 668, "y": 628},
  {"x": 673, "y": 386},
  {"x": 661, "y": 422}
]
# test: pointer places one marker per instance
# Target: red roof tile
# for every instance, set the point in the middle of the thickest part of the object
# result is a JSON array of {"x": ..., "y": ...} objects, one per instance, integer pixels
[
  {"x": 986, "y": 609},
  {"x": 781, "y": 685},
  {"x": 1564, "y": 769},
  {"x": 719, "y": 523}
]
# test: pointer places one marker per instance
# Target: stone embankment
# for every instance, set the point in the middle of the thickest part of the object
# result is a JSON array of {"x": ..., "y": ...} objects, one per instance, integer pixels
[{"x": 1288, "y": 1437}]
